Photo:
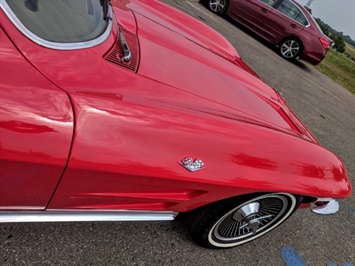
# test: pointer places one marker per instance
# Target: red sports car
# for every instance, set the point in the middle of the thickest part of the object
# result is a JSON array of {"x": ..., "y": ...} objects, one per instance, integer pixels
[
  {"x": 131, "y": 110},
  {"x": 284, "y": 23}
]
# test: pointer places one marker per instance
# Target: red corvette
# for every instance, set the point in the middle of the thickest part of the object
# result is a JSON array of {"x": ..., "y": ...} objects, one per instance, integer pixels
[{"x": 131, "y": 110}]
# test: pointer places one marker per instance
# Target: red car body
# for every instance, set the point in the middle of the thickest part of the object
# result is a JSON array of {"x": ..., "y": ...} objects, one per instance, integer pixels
[
  {"x": 82, "y": 130},
  {"x": 276, "y": 21}
]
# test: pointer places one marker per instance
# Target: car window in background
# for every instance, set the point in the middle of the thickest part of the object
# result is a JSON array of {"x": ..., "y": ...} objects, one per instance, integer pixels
[
  {"x": 302, "y": 19},
  {"x": 269, "y": 2},
  {"x": 292, "y": 11},
  {"x": 61, "y": 21}
]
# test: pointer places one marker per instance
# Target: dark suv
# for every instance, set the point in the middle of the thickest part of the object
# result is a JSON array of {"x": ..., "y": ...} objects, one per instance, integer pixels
[{"x": 284, "y": 23}]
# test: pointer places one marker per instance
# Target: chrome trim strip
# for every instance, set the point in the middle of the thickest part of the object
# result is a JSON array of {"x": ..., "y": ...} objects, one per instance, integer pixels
[
  {"x": 81, "y": 216},
  {"x": 22, "y": 208},
  {"x": 54, "y": 45}
]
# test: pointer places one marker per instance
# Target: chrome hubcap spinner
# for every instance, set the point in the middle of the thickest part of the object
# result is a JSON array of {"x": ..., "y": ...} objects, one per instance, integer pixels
[{"x": 249, "y": 217}]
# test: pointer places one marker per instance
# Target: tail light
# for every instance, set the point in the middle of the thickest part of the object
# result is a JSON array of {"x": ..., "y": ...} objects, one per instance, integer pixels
[{"x": 324, "y": 43}]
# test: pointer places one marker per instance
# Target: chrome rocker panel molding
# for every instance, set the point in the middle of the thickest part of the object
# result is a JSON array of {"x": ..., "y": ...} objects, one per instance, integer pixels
[
  {"x": 55, "y": 45},
  {"x": 84, "y": 216}
]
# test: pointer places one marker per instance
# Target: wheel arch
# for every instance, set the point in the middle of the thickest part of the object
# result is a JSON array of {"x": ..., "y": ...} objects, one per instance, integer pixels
[
  {"x": 302, "y": 199},
  {"x": 292, "y": 37},
  {"x": 203, "y": 222}
]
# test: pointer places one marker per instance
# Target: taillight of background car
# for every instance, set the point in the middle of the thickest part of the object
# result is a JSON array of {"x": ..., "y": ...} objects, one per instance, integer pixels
[{"x": 324, "y": 43}]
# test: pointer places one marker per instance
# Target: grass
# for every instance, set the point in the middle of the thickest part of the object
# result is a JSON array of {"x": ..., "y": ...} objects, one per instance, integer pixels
[
  {"x": 340, "y": 67},
  {"x": 350, "y": 51}
]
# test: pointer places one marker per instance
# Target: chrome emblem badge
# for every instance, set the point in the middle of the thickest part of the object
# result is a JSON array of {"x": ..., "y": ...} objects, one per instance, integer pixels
[{"x": 191, "y": 165}]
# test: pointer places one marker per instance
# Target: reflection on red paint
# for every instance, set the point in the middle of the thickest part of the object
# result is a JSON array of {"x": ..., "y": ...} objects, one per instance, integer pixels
[{"x": 23, "y": 127}]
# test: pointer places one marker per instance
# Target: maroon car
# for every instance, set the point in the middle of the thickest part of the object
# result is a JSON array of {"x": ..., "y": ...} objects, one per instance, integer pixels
[{"x": 284, "y": 23}]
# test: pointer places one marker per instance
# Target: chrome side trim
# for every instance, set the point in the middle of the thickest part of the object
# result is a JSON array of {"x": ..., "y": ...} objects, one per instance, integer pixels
[
  {"x": 81, "y": 216},
  {"x": 22, "y": 208},
  {"x": 54, "y": 45},
  {"x": 326, "y": 206}
]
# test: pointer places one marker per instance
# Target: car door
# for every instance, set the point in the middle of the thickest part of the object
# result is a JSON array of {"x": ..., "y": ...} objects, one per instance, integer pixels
[
  {"x": 285, "y": 19},
  {"x": 36, "y": 131},
  {"x": 251, "y": 13}
]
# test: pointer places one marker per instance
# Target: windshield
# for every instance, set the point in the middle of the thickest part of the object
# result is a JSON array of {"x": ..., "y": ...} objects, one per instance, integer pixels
[{"x": 62, "y": 21}]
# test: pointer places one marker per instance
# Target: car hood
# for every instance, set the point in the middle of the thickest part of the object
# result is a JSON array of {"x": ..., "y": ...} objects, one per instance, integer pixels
[
  {"x": 172, "y": 57},
  {"x": 176, "y": 68}
]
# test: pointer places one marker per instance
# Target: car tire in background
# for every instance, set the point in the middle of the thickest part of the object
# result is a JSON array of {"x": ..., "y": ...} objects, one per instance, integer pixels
[
  {"x": 218, "y": 6},
  {"x": 238, "y": 220},
  {"x": 290, "y": 48}
]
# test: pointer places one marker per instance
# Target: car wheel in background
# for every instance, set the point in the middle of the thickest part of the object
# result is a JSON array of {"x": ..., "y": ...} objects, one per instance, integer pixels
[
  {"x": 290, "y": 48},
  {"x": 236, "y": 221},
  {"x": 218, "y": 6}
]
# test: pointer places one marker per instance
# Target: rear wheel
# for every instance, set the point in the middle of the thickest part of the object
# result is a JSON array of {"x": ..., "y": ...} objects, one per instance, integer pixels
[
  {"x": 218, "y": 6},
  {"x": 236, "y": 221},
  {"x": 290, "y": 48}
]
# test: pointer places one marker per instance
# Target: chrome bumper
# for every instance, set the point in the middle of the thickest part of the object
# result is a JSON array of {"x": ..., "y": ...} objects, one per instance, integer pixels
[{"x": 326, "y": 206}]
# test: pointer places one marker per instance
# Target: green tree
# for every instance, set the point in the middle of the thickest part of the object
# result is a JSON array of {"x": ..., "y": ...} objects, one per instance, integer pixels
[
  {"x": 339, "y": 43},
  {"x": 348, "y": 39},
  {"x": 324, "y": 27}
]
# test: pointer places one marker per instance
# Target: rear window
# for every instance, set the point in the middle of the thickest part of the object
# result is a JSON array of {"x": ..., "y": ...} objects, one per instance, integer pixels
[
  {"x": 292, "y": 11},
  {"x": 61, "y": 21}
]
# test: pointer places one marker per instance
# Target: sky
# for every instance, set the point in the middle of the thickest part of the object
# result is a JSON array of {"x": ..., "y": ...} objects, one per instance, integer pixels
[{"x": 339, "y": 14}]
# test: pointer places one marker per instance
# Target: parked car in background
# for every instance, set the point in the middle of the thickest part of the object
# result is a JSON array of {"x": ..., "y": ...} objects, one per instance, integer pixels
[
  {"x": 284, "y": 23},
  {"x": 135, "y": 111}
]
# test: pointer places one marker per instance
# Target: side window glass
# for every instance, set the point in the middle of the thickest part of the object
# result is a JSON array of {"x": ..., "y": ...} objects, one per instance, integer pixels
[
  {"x": 292, "y": 11},
  {"x": 289, "y": 9},
  {"x": 302, "y": 19},
  {"x": 269, "y": 2}
]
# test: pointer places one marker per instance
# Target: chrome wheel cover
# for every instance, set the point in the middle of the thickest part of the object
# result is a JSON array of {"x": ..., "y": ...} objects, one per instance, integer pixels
[
  {"x": 252, "y": 219},
  {"x": 290, "y": 49},
  {"x": 217, "y": 5}
]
